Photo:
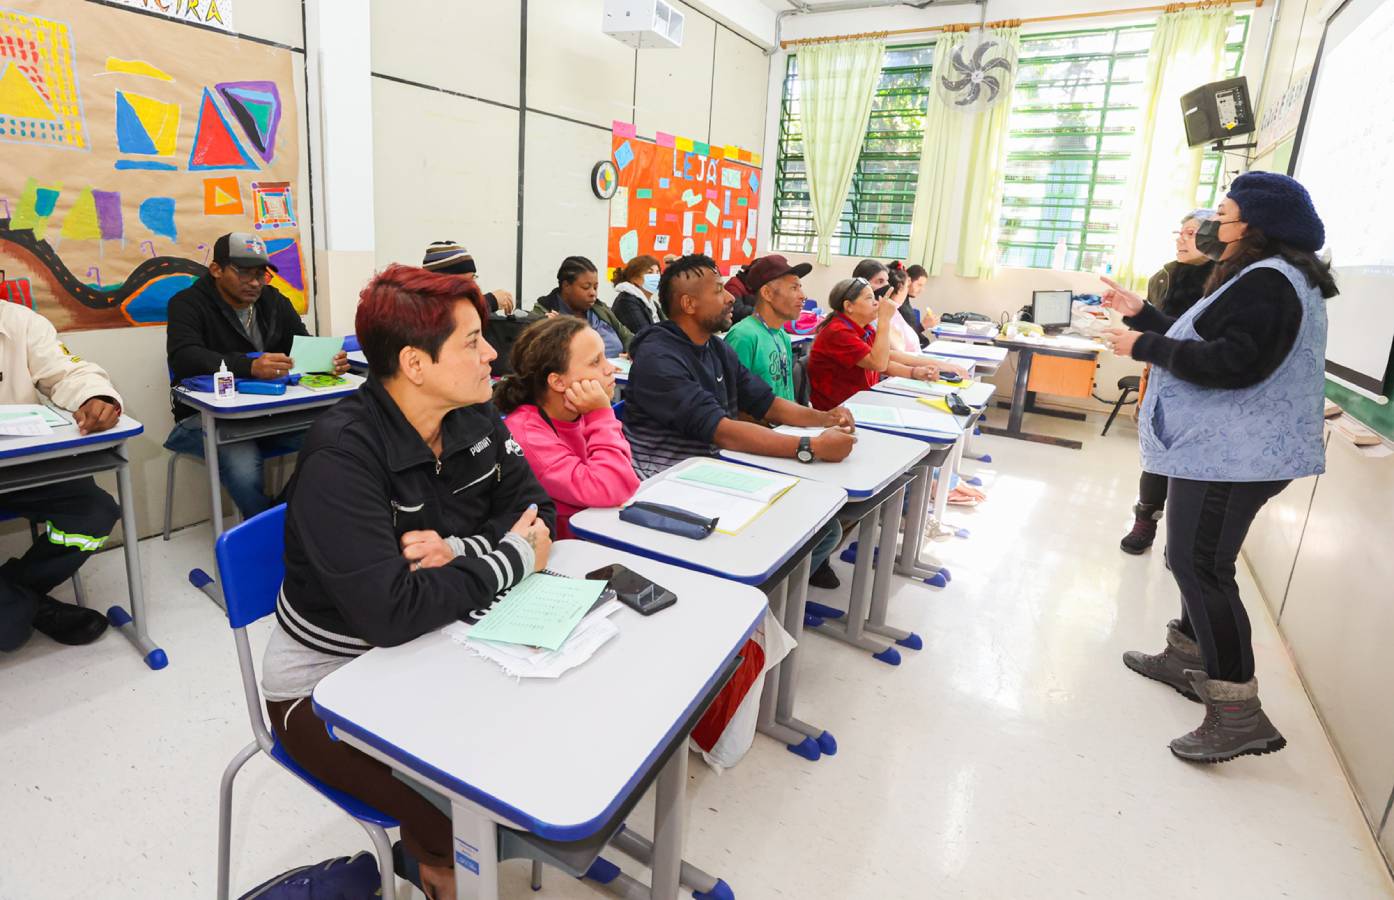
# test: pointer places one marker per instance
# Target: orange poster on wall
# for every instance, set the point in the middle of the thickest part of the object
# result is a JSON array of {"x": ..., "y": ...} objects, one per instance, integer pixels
[{"x": 680, "y": 196}]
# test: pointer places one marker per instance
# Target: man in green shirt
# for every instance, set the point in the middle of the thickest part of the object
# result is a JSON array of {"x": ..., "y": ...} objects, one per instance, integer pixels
[{"x": 760, "y": 340}]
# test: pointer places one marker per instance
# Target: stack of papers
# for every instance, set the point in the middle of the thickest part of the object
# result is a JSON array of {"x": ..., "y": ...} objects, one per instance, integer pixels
[
  {"x": 29, "y": 420},
  {"x": 540, "y": 611},
  {"x": 593, "y": 632},
  {"x": 733, "y": 495},
  {"x": 903, "y": 385},
  {"x": 622, "y": 364},
  {"x": 908, "y": 419}
]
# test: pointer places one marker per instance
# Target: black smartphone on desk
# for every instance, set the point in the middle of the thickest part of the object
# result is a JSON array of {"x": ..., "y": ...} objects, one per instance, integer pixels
[{"x": 634, "y": 590}]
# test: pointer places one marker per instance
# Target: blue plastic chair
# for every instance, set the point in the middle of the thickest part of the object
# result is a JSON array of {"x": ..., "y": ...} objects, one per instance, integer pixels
[
  {"x": 251, "y": 565},
  {"x": 618, "y": 407}
]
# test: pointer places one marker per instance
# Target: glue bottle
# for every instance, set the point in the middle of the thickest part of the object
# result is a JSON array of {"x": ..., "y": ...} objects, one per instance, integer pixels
[{"x": 224, "y": 385}]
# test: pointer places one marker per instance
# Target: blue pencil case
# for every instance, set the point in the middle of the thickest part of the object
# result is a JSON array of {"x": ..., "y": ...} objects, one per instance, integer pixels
[
  {"x": 669, "y": 519},
  {"x": 274, "y": 387}
]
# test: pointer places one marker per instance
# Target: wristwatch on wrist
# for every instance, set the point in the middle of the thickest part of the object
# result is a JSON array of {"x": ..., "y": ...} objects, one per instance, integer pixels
[{"x": 805, "y": 452}]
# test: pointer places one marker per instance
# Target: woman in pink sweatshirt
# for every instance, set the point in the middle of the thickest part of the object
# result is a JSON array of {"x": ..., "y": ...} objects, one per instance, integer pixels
[{"x": 557, "y": 405}]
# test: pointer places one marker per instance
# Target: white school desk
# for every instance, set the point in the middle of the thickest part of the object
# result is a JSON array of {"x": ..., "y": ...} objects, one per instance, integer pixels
[
  {"x": 244, "y": 417},
  {"x": 357, "y": 361},
  {"x": 557, "y": 758},
  {"x": 872, "y": 475},
  {"x": 65, "y": 455},
  {"x": 948, "y": 447},
  {"x": 767, "y": 552}
]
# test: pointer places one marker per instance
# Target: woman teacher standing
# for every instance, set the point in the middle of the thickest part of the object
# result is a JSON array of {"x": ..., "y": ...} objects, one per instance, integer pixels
[{"x": 1232, "y": 415}]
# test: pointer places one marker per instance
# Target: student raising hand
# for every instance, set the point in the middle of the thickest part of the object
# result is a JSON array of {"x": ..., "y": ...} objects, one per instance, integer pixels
[{"x": 534, "y": 530}]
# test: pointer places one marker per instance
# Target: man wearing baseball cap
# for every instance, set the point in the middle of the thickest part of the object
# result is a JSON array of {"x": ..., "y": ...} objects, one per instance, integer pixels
[
  {"x": 760, "y": 341},
  {"x": 234, "y": 315}
]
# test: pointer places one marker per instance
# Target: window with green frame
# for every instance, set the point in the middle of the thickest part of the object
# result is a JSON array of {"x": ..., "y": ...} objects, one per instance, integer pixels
[
  {"x": 1075, "y": 109},
  {"x": 876, "y": 216}
]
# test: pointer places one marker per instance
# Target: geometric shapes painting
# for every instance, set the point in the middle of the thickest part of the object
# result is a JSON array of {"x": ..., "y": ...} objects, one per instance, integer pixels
[
  {"x": 157, "y": 214},
  {"x": 215, "y": 146},
  {"x": 108, "y": 205},
  {"x": 39, "y": 102},
  {"x": 272, "y": 205},
  {"x": 222, "y": 197},
  {"x": 289, "y": 277},
  {"x": 140, "y": 67},
  {"x": 145, "y": 125},
  {"x": 256, "y": 105},
  {"x": 36, "y": 203},
  {"x": 81, "y": 223}
]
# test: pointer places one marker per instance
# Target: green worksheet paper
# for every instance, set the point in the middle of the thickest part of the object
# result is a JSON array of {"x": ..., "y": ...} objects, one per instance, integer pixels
[
  {"x": 541, "y": 611},
  {"x": 874, "y": 415},
  {"x": 314, "y": 354},
  {"x": 728, "y": 477},
  {"x": 16, "y": 410}
]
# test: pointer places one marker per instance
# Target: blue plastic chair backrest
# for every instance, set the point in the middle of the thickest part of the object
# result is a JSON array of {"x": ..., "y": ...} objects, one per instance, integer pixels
[
  {"x": 619, "y": 410},
  {"x": 251, "y": 565},
  {"x": 351, "y": 343}
]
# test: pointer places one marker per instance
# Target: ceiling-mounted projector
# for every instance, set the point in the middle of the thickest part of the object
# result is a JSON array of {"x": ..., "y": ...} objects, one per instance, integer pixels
[{"x": 643, "y": 24}]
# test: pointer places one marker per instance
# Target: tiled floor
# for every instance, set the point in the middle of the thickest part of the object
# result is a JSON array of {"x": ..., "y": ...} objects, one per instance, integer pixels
[{"x": 1013, "y": 757}]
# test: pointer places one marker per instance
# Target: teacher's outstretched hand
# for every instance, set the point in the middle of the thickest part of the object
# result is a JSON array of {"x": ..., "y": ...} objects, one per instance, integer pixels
[{"x": 1120, "y": 298}]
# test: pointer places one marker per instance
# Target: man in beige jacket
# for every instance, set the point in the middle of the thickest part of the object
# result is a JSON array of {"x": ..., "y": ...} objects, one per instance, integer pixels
[{"x": 77, "y": 515}]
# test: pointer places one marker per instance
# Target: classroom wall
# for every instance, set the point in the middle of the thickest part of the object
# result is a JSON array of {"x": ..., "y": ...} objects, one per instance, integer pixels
[
  {"x": 1009, "y": 289},
  {"x": 1318, "y": 550},
  {"x": 457, "y": 177}
]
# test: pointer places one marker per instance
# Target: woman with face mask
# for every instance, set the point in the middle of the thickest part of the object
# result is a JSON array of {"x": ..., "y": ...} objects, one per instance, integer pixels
[
  {"x": 636, "y": 294},
  {"x": 1233, "y": 413},
  {"x": 1174, "y": 289}
]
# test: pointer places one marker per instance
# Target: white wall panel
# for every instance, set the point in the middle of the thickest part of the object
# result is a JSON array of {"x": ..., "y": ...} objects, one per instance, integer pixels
[
  {"x": 674, "y": 86},
  {"x": 562, "y": 217},
  {"x": 575, "y": 69},
  {"x": 739, "y": 88},
  {"x": 467, "y": 47}
]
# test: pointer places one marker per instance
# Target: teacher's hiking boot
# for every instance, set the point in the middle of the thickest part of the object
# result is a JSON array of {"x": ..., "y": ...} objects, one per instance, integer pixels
[
  {"x": 1144, "y": 530},
  {"x": 1170, "y": 666},
  {"x": 68, "y": 623},
  {"x": 1234, "y": 725}
]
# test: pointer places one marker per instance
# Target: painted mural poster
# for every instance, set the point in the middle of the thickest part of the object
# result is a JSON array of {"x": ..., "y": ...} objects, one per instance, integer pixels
[
  {"x": 128, "y": 144},
  {"x": 678, "y": 194}
]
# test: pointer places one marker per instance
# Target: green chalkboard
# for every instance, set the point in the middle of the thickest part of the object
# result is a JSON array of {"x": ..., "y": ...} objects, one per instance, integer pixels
[{"x": 1379, "y": 416}]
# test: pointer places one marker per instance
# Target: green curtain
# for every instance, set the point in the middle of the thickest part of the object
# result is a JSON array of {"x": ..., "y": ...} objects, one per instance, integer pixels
[
  {"x": 1187, "y": 51},
  {"x": 837, "y": 83},
  {"x": 959, "y": 192}
]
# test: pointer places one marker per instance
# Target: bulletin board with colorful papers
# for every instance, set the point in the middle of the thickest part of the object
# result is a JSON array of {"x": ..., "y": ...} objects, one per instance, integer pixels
[{"x": 681, "y": 196}]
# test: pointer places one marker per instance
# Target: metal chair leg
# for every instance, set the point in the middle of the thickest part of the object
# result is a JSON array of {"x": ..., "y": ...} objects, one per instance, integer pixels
[
  {"x": 383, "y": 845},
  {"x": 169, "y": 493},
  {"x": 225, "y": 816},
  {"x": 1123, "y": 398},
  {"x": 537, "y": 874},
  {"x": 78, "y": 593}
]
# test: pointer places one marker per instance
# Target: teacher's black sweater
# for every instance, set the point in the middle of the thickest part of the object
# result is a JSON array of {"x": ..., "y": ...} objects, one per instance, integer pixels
[{"x": 1247, "y": 333}]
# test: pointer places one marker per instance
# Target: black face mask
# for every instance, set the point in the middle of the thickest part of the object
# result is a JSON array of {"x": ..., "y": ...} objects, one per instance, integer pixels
[{"x": 1208, "y": 239}]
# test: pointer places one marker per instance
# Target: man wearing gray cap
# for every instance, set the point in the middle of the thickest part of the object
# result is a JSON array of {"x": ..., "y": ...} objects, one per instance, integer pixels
[{"x": 234, "y": 315}]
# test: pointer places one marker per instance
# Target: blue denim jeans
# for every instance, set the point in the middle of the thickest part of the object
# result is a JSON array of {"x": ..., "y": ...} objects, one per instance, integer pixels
[
  {"x": 239, "y": 465},
  {"x": 828, "y": 539}
]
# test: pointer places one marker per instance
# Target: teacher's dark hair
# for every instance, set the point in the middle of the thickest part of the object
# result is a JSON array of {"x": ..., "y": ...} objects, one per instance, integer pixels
[{"x": 1255, "y": 246}]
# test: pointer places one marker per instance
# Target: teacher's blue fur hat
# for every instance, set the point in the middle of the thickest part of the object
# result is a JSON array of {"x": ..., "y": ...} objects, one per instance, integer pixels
[{"x": 1280, "y": 207}]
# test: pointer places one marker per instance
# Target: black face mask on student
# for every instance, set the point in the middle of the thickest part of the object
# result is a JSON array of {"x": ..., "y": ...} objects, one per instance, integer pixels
[{"x": 1208, "y": 239}]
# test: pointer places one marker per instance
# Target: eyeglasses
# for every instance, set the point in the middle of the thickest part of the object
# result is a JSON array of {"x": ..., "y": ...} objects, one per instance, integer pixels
[
  {"x": 243, "y": 273},
  {"x": 1185, "y": 232},
  {"x": 853, "y": 289}
]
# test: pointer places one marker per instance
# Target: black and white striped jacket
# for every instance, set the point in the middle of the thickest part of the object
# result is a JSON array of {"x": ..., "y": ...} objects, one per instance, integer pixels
[{"x": 364, "y": 478}]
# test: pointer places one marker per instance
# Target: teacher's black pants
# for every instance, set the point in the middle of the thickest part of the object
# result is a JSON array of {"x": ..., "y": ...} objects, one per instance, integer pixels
[
  {"x": 77, "y": 517},
  {"x": 1206, "y": 525}
]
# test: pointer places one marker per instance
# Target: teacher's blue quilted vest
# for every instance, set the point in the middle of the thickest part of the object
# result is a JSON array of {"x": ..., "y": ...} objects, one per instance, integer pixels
[{"x": 1271, "y": 431}]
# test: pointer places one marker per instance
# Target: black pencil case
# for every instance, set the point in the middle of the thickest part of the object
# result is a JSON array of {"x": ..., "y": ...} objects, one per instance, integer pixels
[{"x": 668, "y": 518}]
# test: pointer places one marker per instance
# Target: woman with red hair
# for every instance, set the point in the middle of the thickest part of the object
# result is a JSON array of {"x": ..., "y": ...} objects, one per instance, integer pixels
[{"x": 412, "y": 507}]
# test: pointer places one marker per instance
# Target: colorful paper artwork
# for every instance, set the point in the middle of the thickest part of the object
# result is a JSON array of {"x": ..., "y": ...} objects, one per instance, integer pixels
[
  {"x": 39, "y": 100},
  {"x": 272, "y": 205},
  {"x": 289, "y": 277},
  {"x": 215, "y": 145},
  {"x": 145, "y": 125},
  {"x": 117, "y": 66},
  {"x": 157, "y": 214},
  {"x": 222, "y": 196},
  {"x": 624, "y": 155},
  {"x": 256, "y": 105}
]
